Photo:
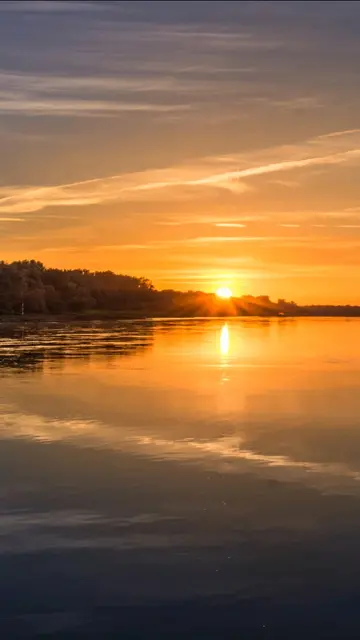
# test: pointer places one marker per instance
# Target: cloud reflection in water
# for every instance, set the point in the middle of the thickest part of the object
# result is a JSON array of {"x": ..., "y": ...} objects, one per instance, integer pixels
[{"x": 225, "y": 454}]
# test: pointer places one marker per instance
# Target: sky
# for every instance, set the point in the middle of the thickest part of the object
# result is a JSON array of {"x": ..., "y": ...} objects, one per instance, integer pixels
[{"x": 199, "y": 144}]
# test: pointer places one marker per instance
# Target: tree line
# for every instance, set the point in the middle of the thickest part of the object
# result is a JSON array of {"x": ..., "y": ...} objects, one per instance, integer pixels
[{"x": 27, "y": 287}]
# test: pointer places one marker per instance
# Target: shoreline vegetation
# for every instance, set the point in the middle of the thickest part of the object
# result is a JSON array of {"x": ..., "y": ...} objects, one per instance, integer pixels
[{"x": 30, "y": 292}]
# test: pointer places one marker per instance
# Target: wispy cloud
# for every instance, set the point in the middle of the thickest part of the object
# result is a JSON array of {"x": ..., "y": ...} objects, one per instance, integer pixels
[
  {"x": 209, "y": 240},
  {"x": 44, "y": 94},
  {"x": 236, "y": 450},
  {"x": 230, "y": 178},
  {"x": 298, "y": 102},
  {"x": 178, "y": 220},
  {"x": 328, "y": 241},
  {"x": 180, "y": 181},
  {"x": 17, "y": 85},
  {"x": 341, "y": 133},
  {"x": 348, "y": 226},
  {"x": 60, "y": 107},
  {"x": 230, "y": 224},
  {"x": 12, "y": 219},
  {"x": 47, "y": 6}
]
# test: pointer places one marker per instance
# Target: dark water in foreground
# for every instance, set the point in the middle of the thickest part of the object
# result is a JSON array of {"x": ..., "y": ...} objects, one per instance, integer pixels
[{"x": 181, "y": 479}]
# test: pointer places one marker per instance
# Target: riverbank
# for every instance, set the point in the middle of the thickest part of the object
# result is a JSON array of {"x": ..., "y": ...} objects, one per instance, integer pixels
[
  {"x": 68, "y": 317},
  {"x": 115, "y": 316}
]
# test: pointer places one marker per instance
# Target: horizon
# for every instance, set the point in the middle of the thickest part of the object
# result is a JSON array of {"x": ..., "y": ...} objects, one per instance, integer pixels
[
  {"x": 203, "y": 145},
  {"x": 223, "y": 294}
]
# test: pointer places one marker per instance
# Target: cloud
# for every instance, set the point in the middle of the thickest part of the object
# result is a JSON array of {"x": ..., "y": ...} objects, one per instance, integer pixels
[
  {"x": 180, "y": 181},
  {"x": 119, "y": 84},
  {"x": 178, "y": 220},
  {"x": 341, "y": 133},
  {"x": 46, "y": 6},
  {"x": 89, "y": 192},
  {"x": 297, "y": 102},
  {"x": 236, "y": 450},
  {"x": 207, "y": 240},
  {"x": 230, "y": 179},
  {"x": 230, "y": 224},
  {"x": 278, "y": 167},
  {"x": 293, "y": 241},
  {"x": 101, "y": 94},
  {"x": 203, "y": 37},
  {"x": 17, "y": 85},
  {"x": 62, "y": 107},
  {"x": 12, "y": 219},
  {"x": 347, "y": 226}
]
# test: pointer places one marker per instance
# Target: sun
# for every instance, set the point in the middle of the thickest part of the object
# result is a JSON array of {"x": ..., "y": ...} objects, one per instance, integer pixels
[{"x": 224, "y": 292}]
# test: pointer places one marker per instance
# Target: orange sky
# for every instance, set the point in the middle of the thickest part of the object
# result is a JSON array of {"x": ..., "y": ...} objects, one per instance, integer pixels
[{"x": 197, "y": 148}]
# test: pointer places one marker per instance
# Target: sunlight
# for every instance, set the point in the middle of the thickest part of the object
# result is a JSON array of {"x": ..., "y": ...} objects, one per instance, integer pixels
[
  {"x": 224, "y": 292},
  {"x": 224, "y": 340}
]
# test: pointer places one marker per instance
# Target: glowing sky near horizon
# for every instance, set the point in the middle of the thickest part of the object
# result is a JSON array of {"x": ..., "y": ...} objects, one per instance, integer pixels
[{"x": 200, "y": 144}]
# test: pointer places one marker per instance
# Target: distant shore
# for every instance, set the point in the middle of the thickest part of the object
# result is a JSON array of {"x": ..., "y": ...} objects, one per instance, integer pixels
[
  {"x": 68, "y": 317},
  {"x": 32, "y": 293},
  {"x": 46, "y": 318}
]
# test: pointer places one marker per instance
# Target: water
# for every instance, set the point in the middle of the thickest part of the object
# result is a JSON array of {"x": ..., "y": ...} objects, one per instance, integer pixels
[{"x": 180, "y": 478}]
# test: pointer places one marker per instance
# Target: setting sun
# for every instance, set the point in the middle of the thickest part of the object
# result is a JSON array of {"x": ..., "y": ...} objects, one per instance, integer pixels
[{"x": 224, "y": 292}]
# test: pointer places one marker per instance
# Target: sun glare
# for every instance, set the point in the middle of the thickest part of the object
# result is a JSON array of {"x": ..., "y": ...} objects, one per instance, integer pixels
[
  {"x": 224, "y": 292},
  {"x": 224, "y": 340}
]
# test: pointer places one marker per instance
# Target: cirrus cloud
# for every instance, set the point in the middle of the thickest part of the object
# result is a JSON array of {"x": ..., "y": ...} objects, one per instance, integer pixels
[{"x": 186, "y": 180}]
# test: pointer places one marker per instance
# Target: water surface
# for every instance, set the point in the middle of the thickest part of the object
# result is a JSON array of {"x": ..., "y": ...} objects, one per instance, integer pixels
[{"x": 199, "y": 478}]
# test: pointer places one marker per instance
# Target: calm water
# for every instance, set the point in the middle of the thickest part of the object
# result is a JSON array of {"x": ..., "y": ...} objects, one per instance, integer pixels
[{"x": 180, "y": 479}]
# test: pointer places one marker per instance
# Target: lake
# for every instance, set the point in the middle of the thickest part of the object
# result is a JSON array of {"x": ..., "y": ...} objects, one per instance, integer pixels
[{"x": 180, "y": 478}]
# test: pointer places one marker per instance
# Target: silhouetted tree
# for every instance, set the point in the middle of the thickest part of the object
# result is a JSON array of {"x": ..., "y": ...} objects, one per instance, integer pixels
[{"x": 28, "y": 286}]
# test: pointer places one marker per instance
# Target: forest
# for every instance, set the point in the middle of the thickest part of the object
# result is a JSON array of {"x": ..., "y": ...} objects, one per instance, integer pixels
[{"x": 28, "y": 288}]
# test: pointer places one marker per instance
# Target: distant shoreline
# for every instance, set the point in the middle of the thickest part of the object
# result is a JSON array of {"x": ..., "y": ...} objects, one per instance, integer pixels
[
  {"x": 28, "y": 319},
  {"x": 30, "y": 292}
]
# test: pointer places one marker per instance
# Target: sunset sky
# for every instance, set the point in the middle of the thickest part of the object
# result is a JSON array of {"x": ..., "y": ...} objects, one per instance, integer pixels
[{"x": 200, "y": 144}]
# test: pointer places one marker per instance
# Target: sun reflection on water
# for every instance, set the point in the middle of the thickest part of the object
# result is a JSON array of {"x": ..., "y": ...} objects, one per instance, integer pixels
[{"x": 224, "y": 340}]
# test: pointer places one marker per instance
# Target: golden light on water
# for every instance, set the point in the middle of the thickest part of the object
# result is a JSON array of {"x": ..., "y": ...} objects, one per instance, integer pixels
[
  {"x": 224, "y": 340},
  {"x": 224, "y": 292}
]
